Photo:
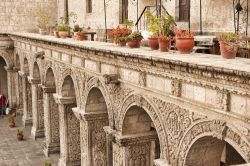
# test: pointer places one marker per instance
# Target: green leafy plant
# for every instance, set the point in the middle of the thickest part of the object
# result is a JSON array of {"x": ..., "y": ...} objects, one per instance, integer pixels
[
  {"x": 153, "y": 23},
  {"x": 77, "y": 28},
  {"x": 19, "y": 132},
  {"x": 229, "y": 37},
  {"x": 135, "y": 36},
  {"x": 47, "y": 163},
  {"x": 63, "y": 25},
  {"x": 43, "y": 18},
  {"x": 129, "y": 23},
  {"x": 118, "y": 33}
]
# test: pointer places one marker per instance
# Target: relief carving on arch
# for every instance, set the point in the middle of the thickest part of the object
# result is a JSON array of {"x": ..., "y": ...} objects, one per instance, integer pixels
[
  {"x": 8, "y": 56},
  {"x": 96, "y": 83},
  {"x": 176, "y": 121},
  {"x": 217, "y": 129},
  {"x": 73, "y": 137},
  {"x": 154, "y": 115},
  {"x": 98, "y": 139}
]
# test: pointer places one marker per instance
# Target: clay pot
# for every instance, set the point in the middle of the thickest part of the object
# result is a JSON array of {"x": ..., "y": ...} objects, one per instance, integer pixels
[
  {"x": 122, "y": 44},
  {"x": 164, "y": 45},
  {"x": 184, "y": 45},
  {"x": 134, "y": 43},
  {"x": 19, "y": 137},
  {"x": 80, "y": 36},
  {"x": 228, "y": 51},
  {"x": 153, "y": 43},
  {"x": 63, "y": 34},
  {"x": 56, "y": 34},
  {"x": 42, "y": 31}
]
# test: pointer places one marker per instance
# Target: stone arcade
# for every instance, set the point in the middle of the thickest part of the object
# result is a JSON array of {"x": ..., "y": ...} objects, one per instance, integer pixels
[{"x": 100, "y": 105}]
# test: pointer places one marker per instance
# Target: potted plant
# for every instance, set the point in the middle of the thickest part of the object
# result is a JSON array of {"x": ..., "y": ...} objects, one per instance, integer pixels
[
  {"x": 19, "y": 135},
  {"x": 166, "y": 34},
  {"x": 43, "y": 20},
  {"x": 76, "y": 29},
  {"x": 229, "y": 44},
  {"x": 184, "y": 40},
  {"x": 119, "y": 34},
  {"x": 47, "y": 163},
  {"x": 134, "y": 40},
  {"x": 63, "y": 28},
  {"x": 81, "y": 36},
  {"x": 154, "y": 27}
]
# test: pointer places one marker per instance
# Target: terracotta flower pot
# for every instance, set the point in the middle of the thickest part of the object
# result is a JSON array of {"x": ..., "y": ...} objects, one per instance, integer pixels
[
  {"x": 153, "y": 43},
  {"x": 228, "y": 51},
  {"x": 134, "y": 43},
  {"x": 81, "y": 36},
  {"x": 164, "y": 45},
  {"x": 184, "y": 45},
  {"x": 56, "y": 34},
  {"x": 63, "y": 34},
  {"x": 19, "y": 137},
  {"x": 122, "y": 44}
]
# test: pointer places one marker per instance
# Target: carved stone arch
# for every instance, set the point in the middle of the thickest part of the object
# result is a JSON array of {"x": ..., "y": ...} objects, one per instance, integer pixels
[
  {"x": 44, "y": 76},
  {"x": 36, "y": 71},
  {"x": 142, "y": 102},
  {"x": 7, "y": 57},
  {"x": 64, "y": 74},
  {"x": 216, "y": 129},
  {"x": 96, "y": 83}
]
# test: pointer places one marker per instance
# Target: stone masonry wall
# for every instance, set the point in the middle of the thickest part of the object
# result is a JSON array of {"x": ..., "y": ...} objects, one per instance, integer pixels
[{"x": 20, "y": 15}]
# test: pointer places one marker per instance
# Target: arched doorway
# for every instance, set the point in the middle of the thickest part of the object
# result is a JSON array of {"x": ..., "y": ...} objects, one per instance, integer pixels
[
  {"x": 70, "y": 150},
  {"x": 3, "y": 76},
  {"x": 140, "y": 138},
  {"x": 37, "y": 130},
  {"x": 211, "y": 151},
  {"x": 96, "y": 117},
  {"x": 51, "y": 115}
]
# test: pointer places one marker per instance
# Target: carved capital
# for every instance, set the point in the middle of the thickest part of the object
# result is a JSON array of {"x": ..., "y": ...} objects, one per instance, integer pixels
[
  {"x": 33, "y": 81},
  {"x": 22, "y": 74},
  {"x": 40, "y": 54},
  {"x": 9, "y": 68},
  {"x": 48, "y": 89},
  {"x": 125, "y": 140},
  {"x": 64, "y": 100}
]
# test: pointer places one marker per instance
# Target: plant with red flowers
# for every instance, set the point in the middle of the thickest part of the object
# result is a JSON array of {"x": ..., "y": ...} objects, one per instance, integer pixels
[
  {"x": 119, "y": 33},
  {"x": 184, "y": 40}
]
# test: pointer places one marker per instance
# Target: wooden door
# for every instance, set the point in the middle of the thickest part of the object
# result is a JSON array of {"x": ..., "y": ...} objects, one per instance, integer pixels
[
  {"x": 124, "y": 12},
  {"x": 184, "y": 10}
]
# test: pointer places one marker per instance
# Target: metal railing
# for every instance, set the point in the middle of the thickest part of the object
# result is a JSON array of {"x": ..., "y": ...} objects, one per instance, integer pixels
[{"x": 141, "y": 23}]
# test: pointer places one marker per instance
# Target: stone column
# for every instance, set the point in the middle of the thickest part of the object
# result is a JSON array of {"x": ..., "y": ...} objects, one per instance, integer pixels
[
  {"x": 109, "y": 149},
  {"x": 51, "y": 122},
  {"x": 18, "y": 90},
  {"x": 135, "y": 149},
  {"x": 37, "y": 130},
  {"x": 69, "y": 126},
  {"x": 11, "y": 84},
  {"x": 93, "y": 137},
  {"x": 27, "y": 113}
]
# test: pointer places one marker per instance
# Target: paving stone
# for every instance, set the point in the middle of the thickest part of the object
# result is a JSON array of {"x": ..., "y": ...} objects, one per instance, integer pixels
[{"x": 23, "y": 153}]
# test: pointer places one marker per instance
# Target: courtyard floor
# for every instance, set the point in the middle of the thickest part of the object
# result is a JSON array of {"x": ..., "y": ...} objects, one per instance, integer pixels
[{"x": 21, "y": 153}]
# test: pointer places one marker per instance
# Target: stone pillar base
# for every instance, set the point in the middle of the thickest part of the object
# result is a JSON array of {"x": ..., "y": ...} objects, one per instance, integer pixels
[
  {"x": 62, "y": 162},
  {"x": 27, "y": 122},
  {"x": 36, "y": 133},
  {"x": 51, "y": 148}
]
